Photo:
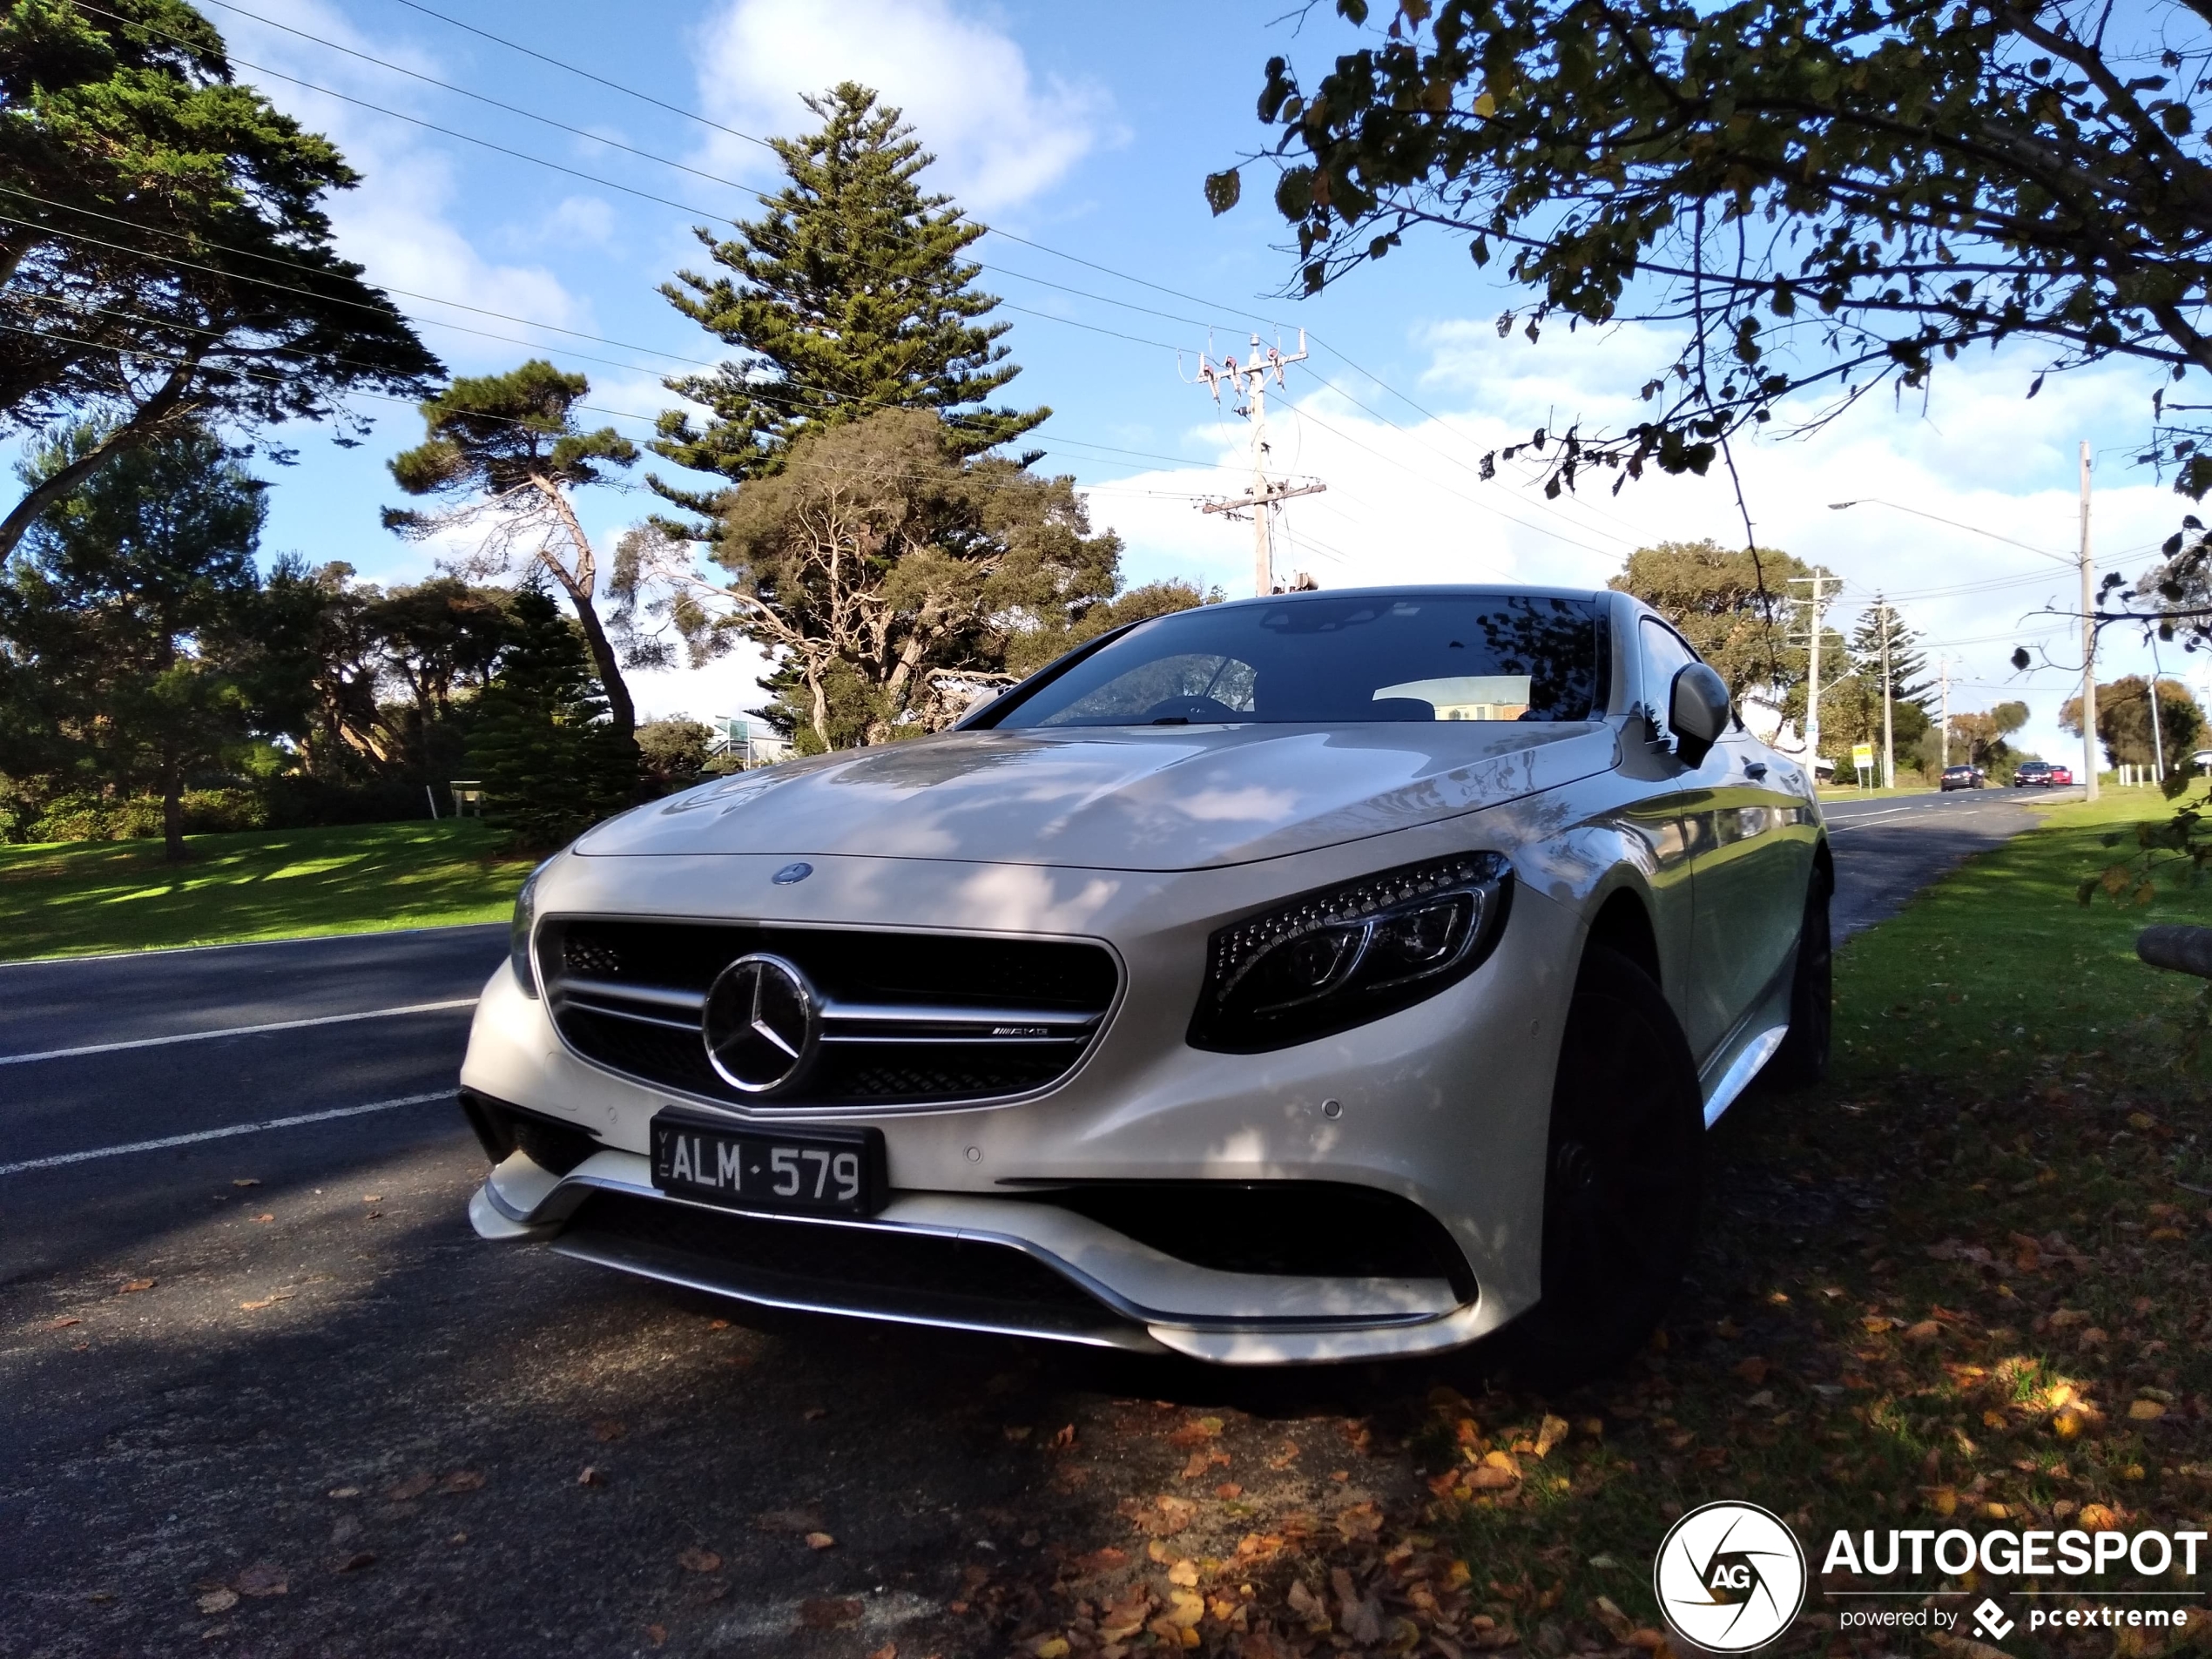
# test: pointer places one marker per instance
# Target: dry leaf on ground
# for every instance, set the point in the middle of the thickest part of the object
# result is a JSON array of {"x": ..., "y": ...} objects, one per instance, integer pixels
[
  {"x": 130, "y": 1286},
  {"x": 463, "y": 1480},
  {"x": 696, "y": 1559},
  {"x": 263, "y": 1578},
  {"x": 411, "y": 1488},
  {"x": 821, "y": 1540},
  {"x": 217, "y": 1602},
  {"x": 829, "y": 1612}
]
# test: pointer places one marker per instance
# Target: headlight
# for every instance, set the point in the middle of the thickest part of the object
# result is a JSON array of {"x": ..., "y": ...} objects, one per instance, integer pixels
[
  {"x": 1346, "y": 956},
  {"x": 518, "y": 933}
]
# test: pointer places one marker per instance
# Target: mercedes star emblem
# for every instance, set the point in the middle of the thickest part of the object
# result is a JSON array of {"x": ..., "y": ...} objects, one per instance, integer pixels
[{"x": 762, "y": 1021}]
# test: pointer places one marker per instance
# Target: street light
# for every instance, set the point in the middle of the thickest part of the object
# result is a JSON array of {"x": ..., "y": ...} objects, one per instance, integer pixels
[{"x": 1973, "y": 530}]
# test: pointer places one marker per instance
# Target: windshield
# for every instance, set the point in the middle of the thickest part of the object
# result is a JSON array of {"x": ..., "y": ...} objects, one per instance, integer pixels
[{"x": 1327, "y": 661}]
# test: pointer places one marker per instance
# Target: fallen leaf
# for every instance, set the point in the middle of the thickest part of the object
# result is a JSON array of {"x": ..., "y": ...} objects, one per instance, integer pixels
[
  {"x": 2097, "y": 1517},
  {"x": 829, "y": 1612},
  {"x": 1184, "y": 1609},
  {"x": 2144, "y": 1410},
  {"x": 411, "y": 1488},
  {"x": 2093, "y": 1338},
  {"x": 888, "y": 1650},
  {"x": 1925, "y": 1330},
  {"x": 65, "y": 1321},
  {"x": 696, "y": 1559},
  {"x": 1185, "y": 1573},
  {"x": 821, "y": 1540},
  {"x": 463, "y": 1480},
  {"x": 268, "y": 1301},
  {"x": 1049, "y": 1647},
  {"x": 217, "y": 1602},
  {"x": 590, "y": 1477},
  {"x": 345, "y": 1492},
  {"x": 607, "y": 1430},
  {"x": 133, "y": 1284},
  {"x": 354, "y": 1563},
  {"x": 815, "y": 1413},
  {"x": 1163, "y": 1517},
  {"x": 458, "y": 1538},
  {"x": 1752, "y": 1371},
  {"x": 263, "y": 1578},
  {"x": 657, "y": 1634},
  {"x": 1308, "y": 1606},
  {"x": 245, "y": 1181},
  {"x": 1943, "y": 1500},
  {"x": 1549, "y": 1434},
  {"x": 1196, "y": 1431},
  {"x": 265, "y": 1216},
  {"x": 1361, "y": 1520},
  {"x": 1227, "y": 1490},
  {"x": 1064, "y": 1438},
  {"x": 1197, "y": 1464},
  {"x": 1617, "y": 1624},
  {"x": 1125, "y": 1618},
  {"x": 1017, "y": 1433}
]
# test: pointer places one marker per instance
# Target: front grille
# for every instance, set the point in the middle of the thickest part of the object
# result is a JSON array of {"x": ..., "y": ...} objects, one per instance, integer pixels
[{"x": 907, "y": 1019}]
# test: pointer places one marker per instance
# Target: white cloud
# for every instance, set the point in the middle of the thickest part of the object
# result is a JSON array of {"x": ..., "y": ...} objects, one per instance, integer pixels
[
  {"x": 399, "y": 222},
  {"x": 1406, "y": 503},
  {"x": 1000, "y": 136}
]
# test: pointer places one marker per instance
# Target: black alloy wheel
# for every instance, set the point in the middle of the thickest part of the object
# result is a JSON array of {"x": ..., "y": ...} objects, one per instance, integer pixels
[{"x": 1624, "y": 1175}]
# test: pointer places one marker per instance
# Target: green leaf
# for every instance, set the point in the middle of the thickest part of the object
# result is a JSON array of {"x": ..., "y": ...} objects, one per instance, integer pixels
[{"x": 1224, "y": 191}]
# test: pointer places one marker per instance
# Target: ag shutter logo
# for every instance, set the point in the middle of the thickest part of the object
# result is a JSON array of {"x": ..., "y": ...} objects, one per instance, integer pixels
[
  {"x": 1991, "y": 1618},
  {"x": 1729, "y": 1577}
]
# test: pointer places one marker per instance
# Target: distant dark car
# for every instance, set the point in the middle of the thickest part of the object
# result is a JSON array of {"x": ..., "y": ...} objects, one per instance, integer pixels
[
  {"x": 2039, "y": 774},
  {"x": 1964, "y": 777}
]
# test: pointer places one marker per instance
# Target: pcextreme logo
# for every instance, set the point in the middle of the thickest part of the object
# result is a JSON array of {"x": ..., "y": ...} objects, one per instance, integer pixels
[{"x": 1729, "y": 1577}]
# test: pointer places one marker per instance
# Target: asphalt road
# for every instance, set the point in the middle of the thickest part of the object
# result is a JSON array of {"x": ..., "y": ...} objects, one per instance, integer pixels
[{"x": 247, "y": 1338}]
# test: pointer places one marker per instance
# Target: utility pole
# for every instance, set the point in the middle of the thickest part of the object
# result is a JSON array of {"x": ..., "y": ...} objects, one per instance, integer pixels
[
  {"x": 1249, "y": 380},
  {"x": 2088, "y": 643},
  {"x": 1819, "y": 582},
  {"x": 2157, "y": 743},
  {"x": 1882, "y": 613},
  {"x": 1943, "y": 738}
]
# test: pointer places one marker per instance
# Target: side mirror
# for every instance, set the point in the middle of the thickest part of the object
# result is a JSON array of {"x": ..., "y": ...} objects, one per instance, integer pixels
[{"x": 1698, "y": 711}]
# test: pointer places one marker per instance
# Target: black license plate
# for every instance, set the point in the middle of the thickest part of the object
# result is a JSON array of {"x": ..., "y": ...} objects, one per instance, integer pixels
[{"x": 817, "y": 1171}]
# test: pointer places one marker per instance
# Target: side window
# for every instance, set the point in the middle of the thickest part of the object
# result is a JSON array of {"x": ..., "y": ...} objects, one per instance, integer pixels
[{"x": 1665, "y": 655}]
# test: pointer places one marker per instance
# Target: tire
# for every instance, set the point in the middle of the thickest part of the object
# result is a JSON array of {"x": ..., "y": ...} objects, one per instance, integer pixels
[
  {"x": 1623, "y": 1176},
  {"x": 1802, "y": 1061}
]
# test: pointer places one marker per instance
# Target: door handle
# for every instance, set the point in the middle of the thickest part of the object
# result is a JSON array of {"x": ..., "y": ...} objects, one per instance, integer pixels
[{"x": 1756, "y": 771}]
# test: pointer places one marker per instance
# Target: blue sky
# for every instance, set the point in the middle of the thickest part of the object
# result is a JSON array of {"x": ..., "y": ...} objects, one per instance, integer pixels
[{"x": 1087, "y": 128}]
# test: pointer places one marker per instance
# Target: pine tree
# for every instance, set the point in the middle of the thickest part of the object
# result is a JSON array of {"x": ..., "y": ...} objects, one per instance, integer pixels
[
  {"x": 1909, "y": 678},
  {"x": 551, "y": 764},
  {"x": 849, "y": 296}
]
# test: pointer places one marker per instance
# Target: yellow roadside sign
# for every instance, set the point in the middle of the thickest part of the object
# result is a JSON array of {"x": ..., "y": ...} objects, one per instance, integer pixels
[{"x": 1862, "y": 756}]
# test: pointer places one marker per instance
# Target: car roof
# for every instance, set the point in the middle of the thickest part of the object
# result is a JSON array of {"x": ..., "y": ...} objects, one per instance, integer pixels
[{"x": 1433, "y": 590}]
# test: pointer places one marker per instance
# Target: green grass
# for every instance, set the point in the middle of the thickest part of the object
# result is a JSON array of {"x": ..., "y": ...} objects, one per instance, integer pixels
[{"x": 75, "y": 898}]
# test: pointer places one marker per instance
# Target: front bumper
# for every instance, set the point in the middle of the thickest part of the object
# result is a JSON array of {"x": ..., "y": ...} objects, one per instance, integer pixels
[
  {"x": 1443, "y": 1106},
  {"x": 966, "y": 1262}
]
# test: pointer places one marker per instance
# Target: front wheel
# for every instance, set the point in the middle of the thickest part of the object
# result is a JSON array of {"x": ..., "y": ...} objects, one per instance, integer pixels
[
  {"x": 1623, "y": 1175},
  {"x": 1802, "y": 1061}
]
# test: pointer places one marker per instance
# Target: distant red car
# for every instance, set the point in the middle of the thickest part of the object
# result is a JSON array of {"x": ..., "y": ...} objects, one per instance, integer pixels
[{"x": 2060, "y": 775}]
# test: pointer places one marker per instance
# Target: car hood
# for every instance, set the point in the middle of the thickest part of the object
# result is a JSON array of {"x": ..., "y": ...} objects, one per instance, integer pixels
[{"x": 1178, "y": 797}]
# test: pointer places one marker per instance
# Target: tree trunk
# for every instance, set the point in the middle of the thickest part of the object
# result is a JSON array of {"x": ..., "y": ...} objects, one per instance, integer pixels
[
  {"x": 172, "y": 805},
  {"x": 622, "y": 713},
  {"x": 145, "y": 423}
]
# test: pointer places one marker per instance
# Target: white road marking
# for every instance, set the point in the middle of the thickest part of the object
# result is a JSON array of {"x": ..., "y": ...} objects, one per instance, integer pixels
[
  {"x": 222, "y": 1134},
  {"x": 236, "y": 1031}
]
